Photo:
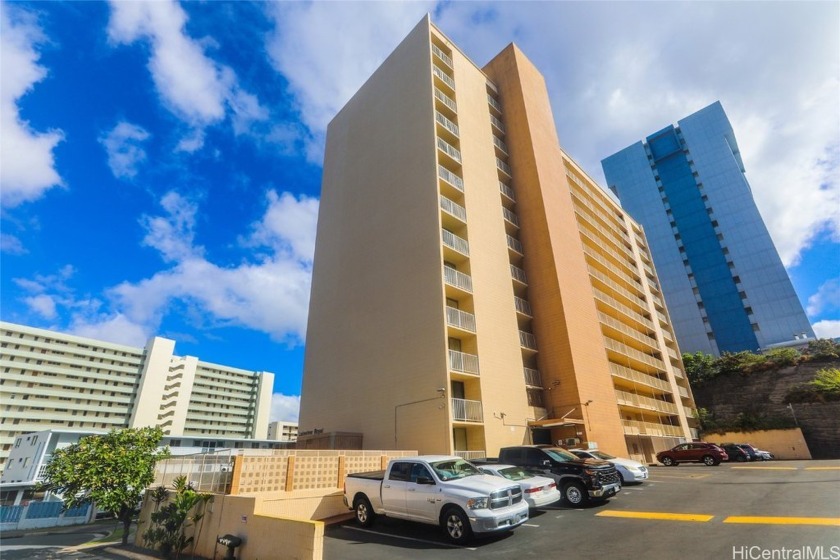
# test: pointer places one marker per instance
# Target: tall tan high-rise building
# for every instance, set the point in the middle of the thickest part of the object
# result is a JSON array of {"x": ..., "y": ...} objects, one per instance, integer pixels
[{"x": 473, "y": 288}]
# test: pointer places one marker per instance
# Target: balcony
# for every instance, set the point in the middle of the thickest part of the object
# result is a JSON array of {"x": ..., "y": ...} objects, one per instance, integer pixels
[
  {"x": 492, "y": 87},
  {"x": 460, "y": 319},
  {"x": 532, "y": 377},
  {"x": 494, "y": 104},
  {"x": 457, "y": 279},
  {"x": 449, "y": 150},
  {"x": 448, "y": 102},
  {"x": 507, "y": 191},
  {"x": 450, "y": 178},
  {"x": 689, "y": 412},
  {"x": 527, "y": 340},
  {"x": 463, "y": 363},
  {"x": 456, "y": 243},
  {"x": 453, "y": 208},
  {"x": 518, "y": 274},
  {"x": 515, "y": 245},
  {"x": 467, "y": 411},
  {"x": 471, "y": 455},
  {"x": 446, "y": 123},
  {"x": 442, "y": 55},
  {"x": 497, "y": 123},
  {"x": 510, "y": 216},
  {"x": 500, "y": 145},
  {"x": 647, "y": 403},
  {"x": 443, "y": 77},
  {"x": 504, "y": 168},
  {"x": 522, "y": 306},
  {"x": 636, "y": 427},
  {"x": 639, "y": 377}
]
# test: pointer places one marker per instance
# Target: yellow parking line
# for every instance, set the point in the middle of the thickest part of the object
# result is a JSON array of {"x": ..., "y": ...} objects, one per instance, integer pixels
[
  {"x": 833, "y": 521},
  {"x": 656, "y": 515},
  {"x": 822, "y": 468},
  {"x": 770, "y": 468}
]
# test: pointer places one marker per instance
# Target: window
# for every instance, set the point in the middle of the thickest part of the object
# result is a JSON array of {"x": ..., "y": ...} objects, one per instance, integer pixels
[{"x": 400, "y": 471}]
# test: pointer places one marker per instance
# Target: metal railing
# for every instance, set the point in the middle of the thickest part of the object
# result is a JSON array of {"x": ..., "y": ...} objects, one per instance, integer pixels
[
  {"x": 497, "y": 123},
  {"x": 467, "y": 411},
  {"x": 647, "y": 403},
  {"x": 532, "y": 377},
  {"x": 504, "y": 167},
  {"x": 457, "y": 279},
  {"x": 515, "y": 244},
  {"x": 451, "y": 207},
  {"x": 446, "y": 123},
  {"x": 463, "y": 362},
  {"x": 637, "y": 427},
  {"x": 499, "y": 144},
  {"x": 449, "y": 149},
  {"x": 527, "y": 340},
  {"x": 446, "y": 100},
  {"x": 492, "y": 87},
  {"x": 507, "y": 191},
  {"x": 450, "y": 178},
  {"x": 510, "y": 216},
  {"x": 518, "y": 274},
  {"x": 460, "y": 319},
  {"x": 206, "y": 472},
  {"x": 493, "y": 103},
  {"x": 456, "y": 243},
  {"x": 442, "y": 55},
  {"x": 443, "y": 77},
  {"x": 639, "y": 377},
  {"x": 471, "y": 455},
  {"x": 522, "y": 306}
]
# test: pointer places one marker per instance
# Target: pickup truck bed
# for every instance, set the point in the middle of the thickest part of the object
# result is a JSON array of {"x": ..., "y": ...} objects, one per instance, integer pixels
[{"x": 370, "y": 475}]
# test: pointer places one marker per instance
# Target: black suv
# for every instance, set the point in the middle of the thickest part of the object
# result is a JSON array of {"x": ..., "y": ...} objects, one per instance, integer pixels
[
  {"x": 735, "y": 452},
  {"x": 579, "y": 480}
]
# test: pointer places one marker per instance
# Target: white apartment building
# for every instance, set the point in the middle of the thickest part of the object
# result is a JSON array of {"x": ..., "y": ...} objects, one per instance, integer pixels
[
  {"x": 283, "y": 431},
  {"x": 51, "y": 380}
]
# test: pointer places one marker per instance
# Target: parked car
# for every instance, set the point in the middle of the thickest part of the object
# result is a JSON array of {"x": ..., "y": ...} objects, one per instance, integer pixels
[
  {"x": 765, "y": 455},
  {"x": 579, "y": 480},
  {"x": 628, "y": 469},
  {"x": 735, "y": 452},
  {"x": 538, "y": 491},
  {"x": 694, "y": 452},
  {"x": 751, "y": 451},
  {"x": 438, "y": 490}
]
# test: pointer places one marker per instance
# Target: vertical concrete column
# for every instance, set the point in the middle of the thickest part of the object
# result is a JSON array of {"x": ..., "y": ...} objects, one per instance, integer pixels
[
  {"x": 290, "y": 474},
  {"x": 340, "y": 482},
  {"x": 237, "y": 474}
]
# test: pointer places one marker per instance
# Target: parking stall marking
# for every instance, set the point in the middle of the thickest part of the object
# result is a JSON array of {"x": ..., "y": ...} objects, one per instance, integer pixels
[
  {"x": 696, "y": 517},
  {"x": 769, "y": 468},
  {"x": 831, "y": 521},
  {"x": 392, "y": 536},
  {"x": 822, "y": 468}
]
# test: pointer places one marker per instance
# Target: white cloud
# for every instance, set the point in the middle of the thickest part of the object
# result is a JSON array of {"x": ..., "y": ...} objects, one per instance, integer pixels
[
  {"x": 172, "y": 234},
  {"x": 827, "y": 329},
  {"x": 124, "y": 146},
  {"x": 193, "y": 86},
  {"x": 27, "y": 162},
  {"x": 11, "y": 245},
  {"x": 326, "y": 50},
  {"x": 827, "y": 299},
  {"x": 284, "y": 408},
  {"x": 115, "y": 328},
  {"x": 43, "y": 304}
]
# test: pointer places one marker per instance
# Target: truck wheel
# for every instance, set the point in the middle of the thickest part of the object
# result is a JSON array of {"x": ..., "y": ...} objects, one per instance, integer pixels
[
  {"x": 364, "y": 511},
  {"x": 574, "y": 493},
  {"x": 710, "y": 461},
  {"x": 457, "y": 525}
]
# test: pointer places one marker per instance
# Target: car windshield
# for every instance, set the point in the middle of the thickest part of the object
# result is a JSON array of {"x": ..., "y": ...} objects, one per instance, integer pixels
[
  {"x": 514, "y": 473},
  {"x": 561, "y": 454},
  {"x": 602, "y": 455},
  {"x": 451, "y": 469}
]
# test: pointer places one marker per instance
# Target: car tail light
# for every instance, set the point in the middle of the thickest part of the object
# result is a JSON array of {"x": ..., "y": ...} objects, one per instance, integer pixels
[
  {"x": 552, "y": 485},
  {"x": 533, "y": 490}
]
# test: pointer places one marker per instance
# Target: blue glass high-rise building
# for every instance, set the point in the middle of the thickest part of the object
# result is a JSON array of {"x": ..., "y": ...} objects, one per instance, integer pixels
[{"x": 723, "y": 281}]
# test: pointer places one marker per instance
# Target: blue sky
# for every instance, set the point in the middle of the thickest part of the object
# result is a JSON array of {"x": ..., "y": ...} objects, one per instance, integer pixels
[{"x": 161, "y": 161}]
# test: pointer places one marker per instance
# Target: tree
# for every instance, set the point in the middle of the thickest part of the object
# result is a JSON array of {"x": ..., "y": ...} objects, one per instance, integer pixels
[
  {"x": 700, "y": 367},
  {"x": 170, "y": 523},
  {"x": 110, "y": 470}
]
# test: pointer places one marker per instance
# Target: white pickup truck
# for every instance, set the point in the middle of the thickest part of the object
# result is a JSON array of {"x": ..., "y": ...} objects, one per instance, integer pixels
[{"x": 439, "y": 490}]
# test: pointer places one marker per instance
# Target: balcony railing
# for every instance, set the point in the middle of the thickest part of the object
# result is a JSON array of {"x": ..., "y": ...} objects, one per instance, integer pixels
[
  {"x": 522, "y": 306},
  {"x": 467, "y": 411},
  {"x": 446, "y": 123},
  {"x": 647, "y": 403},
  {"x": 527, "y": 340},
  {"x": 471, "y": 455},
  {"x": 532, "y": 377},
  {"x": 636, "y": 427},
  {"x": 510, "y": 216},
  {"x": 442, "y": 55},
  {"x": 498, "y": 124},
  {"x": 443, "y": 77},
  {"x": 493, "y": 103},
  {"x": 463, "y": 363},
  {"x": 450, "y": 178},
  {"x": 639, "y": 377},
  {"x": 492, "y": 87},
  {"x": 504, "y": 167},
  {"x": 683, "y": 391},
  {"x": 457, "y": 279},
  {"x": 514, "y": 244},
  {"x": 449, "y": 149},
  {"x": 499, "y": 144},
  {"x": 689, "y": 412},
  {"x": 452, "y": 207},
  {"x": 518, "y": 274},
  {"x": 446, "y": 100},
  {"x": 460, "y": 319},
  {"x": 457, "y": 243},
  {"x": 507, "y": 191}
]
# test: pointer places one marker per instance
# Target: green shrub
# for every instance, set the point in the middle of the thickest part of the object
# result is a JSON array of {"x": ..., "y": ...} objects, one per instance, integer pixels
[{"x": 822, "y": 350}]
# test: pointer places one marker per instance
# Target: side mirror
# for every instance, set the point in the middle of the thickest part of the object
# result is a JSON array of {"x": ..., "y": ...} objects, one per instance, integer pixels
[
  {"x": 424, "y": 480},
  {"x": 545, "y": 463}
]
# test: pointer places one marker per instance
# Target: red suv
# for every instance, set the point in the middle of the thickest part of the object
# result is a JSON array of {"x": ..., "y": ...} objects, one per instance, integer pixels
[{"x": 695, "y": 452}]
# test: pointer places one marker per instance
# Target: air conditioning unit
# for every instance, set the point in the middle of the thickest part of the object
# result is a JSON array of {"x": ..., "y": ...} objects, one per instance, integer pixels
[{"x": 572, "y": 441}]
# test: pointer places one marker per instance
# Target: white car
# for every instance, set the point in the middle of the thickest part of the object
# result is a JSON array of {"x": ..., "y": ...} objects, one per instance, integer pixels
[
  {"x": 538, "y": 491},
  {"x": 628, "y": 469}
]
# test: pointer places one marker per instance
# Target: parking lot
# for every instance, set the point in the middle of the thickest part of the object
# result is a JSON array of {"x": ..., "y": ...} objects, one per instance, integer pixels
[{"x": 732, "y": 511}]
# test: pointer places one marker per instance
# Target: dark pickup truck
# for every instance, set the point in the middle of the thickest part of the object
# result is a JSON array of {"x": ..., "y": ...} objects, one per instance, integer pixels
[{"x": 579, "y": 480}]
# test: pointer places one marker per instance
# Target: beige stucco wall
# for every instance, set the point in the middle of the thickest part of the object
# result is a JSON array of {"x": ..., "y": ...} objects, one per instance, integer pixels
[
  {"x": 784, "y": 444},
  {"x": 152, "y": 382}
]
